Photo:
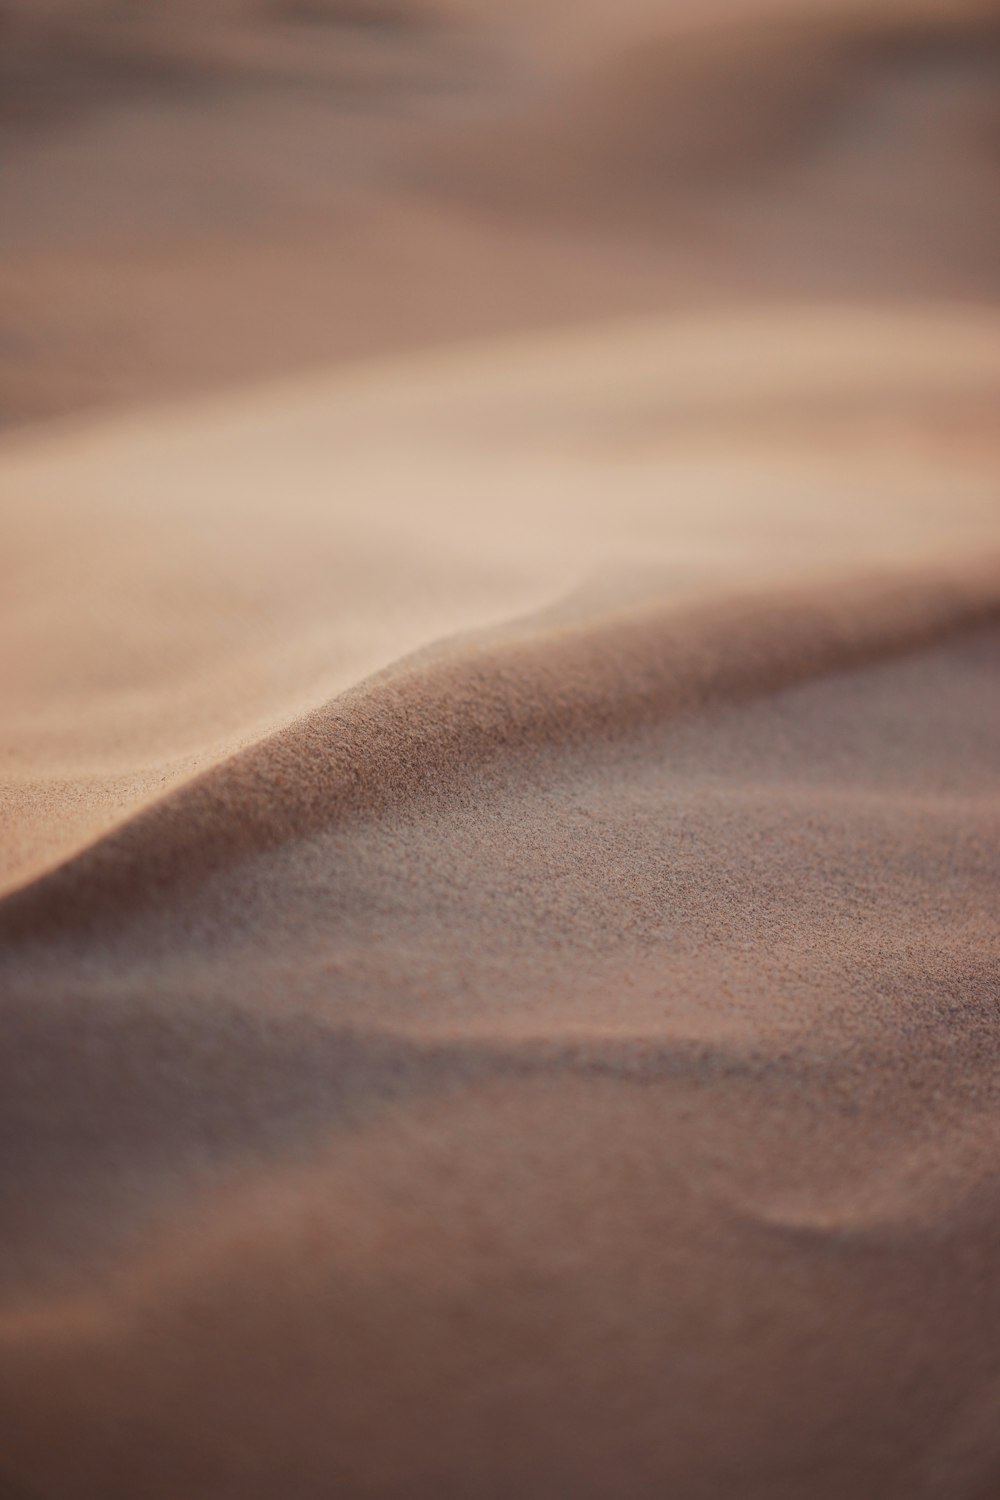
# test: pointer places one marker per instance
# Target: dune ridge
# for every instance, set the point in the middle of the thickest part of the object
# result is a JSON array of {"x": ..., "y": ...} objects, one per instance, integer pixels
[
  {"x": 677, "y": 462},
  {"x": 424, "y": 727}
]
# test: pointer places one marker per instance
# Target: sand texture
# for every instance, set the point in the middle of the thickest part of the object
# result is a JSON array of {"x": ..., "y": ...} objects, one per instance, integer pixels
[{"x": 500, "y": 751}]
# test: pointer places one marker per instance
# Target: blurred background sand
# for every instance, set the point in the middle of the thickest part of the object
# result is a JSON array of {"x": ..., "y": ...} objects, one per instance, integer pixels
[{"x": 202, "y": 193}]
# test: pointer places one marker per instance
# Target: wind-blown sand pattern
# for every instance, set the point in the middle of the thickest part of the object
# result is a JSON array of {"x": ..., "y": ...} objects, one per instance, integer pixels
[{"x": 498, "y": 895}]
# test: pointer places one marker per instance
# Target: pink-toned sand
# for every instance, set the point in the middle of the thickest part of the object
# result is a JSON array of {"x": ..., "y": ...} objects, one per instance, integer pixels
[{"x": 499, "y": 988}]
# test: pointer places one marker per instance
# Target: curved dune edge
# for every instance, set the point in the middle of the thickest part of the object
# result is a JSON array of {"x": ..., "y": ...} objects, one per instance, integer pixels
[
  {"x": 427, "y": 727},
  {"x": 374, "y": 510}
]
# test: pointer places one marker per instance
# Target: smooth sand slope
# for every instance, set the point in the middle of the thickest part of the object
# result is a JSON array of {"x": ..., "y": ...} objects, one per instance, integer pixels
[{"x": 499, "y": 959}]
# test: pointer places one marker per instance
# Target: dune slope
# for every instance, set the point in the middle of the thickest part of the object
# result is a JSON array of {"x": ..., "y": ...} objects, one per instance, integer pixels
[
  {"x": 499, "y": 805},
  {"x": 499, "y": 952}
]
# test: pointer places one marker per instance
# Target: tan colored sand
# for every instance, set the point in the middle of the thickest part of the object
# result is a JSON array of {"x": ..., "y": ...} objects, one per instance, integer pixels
[
  {"x": 264, "y": 553},
  {"x": 498, "y": 889},
  {"x": 565, "y": 1059}
]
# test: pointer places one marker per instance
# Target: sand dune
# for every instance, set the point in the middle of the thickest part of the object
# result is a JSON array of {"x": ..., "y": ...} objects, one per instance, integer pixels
[
  {"x": 626, "y": 467},
  {"x": 503, "y": 941},
  {"x": 499, "y": 635}
]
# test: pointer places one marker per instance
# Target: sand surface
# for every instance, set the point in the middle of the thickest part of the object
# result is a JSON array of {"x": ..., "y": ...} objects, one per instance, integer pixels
[{"x": 499, "y": 652}]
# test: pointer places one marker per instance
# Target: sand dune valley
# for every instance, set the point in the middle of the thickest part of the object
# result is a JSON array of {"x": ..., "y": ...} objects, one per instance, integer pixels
[{"x": 500, "y": 750}]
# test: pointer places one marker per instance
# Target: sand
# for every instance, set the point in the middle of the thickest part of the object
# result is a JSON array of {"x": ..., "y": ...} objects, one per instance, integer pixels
[{"x": 500, "y": 636}]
